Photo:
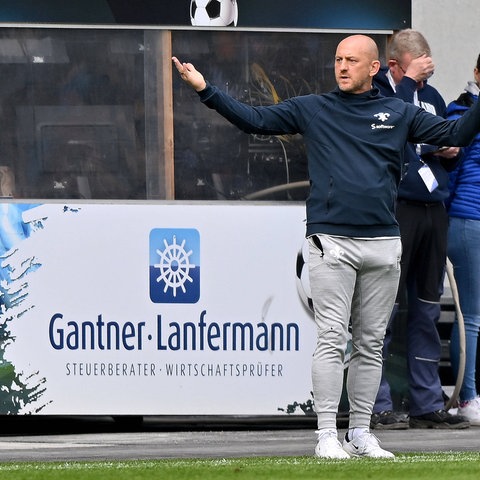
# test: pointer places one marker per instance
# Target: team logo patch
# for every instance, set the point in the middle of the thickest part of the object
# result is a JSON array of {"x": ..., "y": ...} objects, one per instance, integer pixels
[{"x": 382, "y": 116}]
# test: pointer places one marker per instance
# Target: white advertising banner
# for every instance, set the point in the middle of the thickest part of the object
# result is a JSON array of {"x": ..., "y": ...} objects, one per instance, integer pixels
[{"x": 154, "y": 309}]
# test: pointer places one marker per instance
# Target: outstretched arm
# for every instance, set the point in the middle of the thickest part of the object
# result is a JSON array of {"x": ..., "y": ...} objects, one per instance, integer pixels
[
  {"x": 190, "y": 75},
  {"x": 278, "y": 119}
]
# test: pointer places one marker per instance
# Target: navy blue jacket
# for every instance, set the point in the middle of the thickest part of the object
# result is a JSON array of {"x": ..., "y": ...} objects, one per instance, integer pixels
[
  {"x": 412, "y": 186},
  {"x": 355, "y": 147}
]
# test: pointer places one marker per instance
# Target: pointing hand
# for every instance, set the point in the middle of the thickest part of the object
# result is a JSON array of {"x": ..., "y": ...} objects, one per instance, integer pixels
[{"x": 190, "y": 75}]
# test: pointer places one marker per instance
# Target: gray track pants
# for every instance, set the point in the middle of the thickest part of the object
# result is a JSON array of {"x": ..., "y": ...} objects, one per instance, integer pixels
[{"x": 355, "y": 278}]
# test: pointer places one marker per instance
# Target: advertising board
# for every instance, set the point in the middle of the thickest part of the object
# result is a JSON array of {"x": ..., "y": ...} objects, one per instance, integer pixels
[{"x": 154, "y": 309}]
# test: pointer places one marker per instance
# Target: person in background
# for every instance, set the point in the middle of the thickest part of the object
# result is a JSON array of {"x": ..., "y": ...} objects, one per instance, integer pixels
[
  {"x": 464, "y": 252},
  {"x": 423, "y": 222},
  {"x": 354, "y": 139}
]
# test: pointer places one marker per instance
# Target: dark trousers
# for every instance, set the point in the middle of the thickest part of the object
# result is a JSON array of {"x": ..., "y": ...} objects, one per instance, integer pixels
[{"x": 423, "y": 232}]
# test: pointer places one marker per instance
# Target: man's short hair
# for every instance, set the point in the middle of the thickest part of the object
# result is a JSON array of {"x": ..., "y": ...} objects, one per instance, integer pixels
[{"x": 408, "y": 41}]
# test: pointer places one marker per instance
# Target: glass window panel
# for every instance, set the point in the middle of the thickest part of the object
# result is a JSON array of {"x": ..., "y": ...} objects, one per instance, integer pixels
[
  {"x": 213, "y": 159},
  {"x": 72, "y": 104},
  {"x": 87, "y": 112}
]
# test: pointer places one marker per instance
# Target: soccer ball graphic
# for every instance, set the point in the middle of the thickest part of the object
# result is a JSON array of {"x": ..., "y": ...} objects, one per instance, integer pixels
[{"x": 213, "y": 13}]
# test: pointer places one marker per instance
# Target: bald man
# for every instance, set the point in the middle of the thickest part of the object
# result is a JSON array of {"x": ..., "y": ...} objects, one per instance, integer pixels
[{"x": 355, "y": 139}]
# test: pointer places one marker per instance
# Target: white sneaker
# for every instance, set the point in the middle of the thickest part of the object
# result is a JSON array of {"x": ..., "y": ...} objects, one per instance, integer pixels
[
  {"x": 471, "y": 411},
  {"x": 366, "y": 445},
  {"x": 328, "y": 445}
]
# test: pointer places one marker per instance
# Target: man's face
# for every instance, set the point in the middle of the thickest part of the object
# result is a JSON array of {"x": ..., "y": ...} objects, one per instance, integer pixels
[
  {"x": 399, "y": 67},
  {"x": 355, "y": 66},
  {"x": 476, "y": 74},
  {"x": 417, "y": 68}
]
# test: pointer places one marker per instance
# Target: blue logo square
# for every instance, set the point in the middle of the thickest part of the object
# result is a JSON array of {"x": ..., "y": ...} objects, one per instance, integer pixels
[{"x": 174, "y": 265}]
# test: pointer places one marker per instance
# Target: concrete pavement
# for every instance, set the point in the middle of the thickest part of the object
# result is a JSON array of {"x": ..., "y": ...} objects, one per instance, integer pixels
[{"x": 99, "y": 439}]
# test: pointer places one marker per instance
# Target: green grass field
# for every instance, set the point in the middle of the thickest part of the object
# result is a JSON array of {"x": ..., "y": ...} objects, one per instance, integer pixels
[{"x": 428, "y": 466}]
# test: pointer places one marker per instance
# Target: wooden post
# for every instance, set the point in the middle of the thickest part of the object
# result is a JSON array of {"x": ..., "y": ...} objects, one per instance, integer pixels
[
  {"x": 159, "y": 152},
  {"x": 166, "y": 94}
]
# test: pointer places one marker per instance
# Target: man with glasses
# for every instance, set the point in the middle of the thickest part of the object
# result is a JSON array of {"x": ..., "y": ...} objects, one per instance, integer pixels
[{"x": 423, "y": 222}]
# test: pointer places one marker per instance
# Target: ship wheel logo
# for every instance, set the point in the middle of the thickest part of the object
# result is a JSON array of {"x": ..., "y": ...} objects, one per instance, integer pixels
[
  {"x": 174, "y": 270},
  {"x": 174, "y": 266}
]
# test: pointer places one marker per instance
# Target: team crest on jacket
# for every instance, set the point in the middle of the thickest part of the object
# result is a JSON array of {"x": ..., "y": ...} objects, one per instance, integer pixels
[{"x": 382, "y": 116}]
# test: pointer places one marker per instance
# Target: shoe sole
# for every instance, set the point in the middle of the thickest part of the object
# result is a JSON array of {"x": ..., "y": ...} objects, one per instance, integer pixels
[
  {"x": 390, "y": 426},
  {"x": 440, "y": 426},
  {"x": 354, "y": 454},
  {"x": 384, "y": 457},
  {"x": 340, "y": 456},
  {"x": 333, "y": 457}
]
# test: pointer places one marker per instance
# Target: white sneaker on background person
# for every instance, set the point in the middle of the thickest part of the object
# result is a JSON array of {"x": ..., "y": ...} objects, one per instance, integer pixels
[
  {"x": 365, "y": 445},
  {"x": 328, "y": 445},
  {"x": 470, "y": 410}
]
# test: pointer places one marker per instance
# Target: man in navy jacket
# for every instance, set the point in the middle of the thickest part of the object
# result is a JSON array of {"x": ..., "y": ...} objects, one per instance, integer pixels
[
  {"x": 355, "y": 140},
  {"x": 423, "y": 222}
]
